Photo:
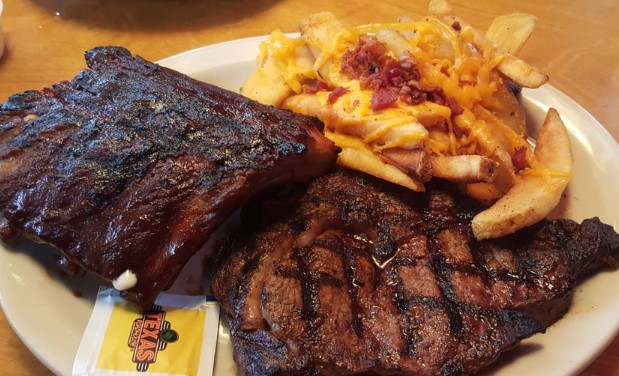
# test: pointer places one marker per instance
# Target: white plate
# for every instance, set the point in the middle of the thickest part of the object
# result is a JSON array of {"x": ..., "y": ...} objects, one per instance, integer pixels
[{"x": 49, "y": 313}]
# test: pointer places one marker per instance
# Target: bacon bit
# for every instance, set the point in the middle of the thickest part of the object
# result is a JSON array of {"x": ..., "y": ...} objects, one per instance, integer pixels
[
  {"x": 336, "y": 94},
  {"x": 389, "y": 78},
  {"x": 519, "y": 159},
  {"x": 457, "y": 131},
  {"x": 455, "y": 108},
  {"x": 463, "y": 83},
  {"x": 416, "y": 95},
  {"x": 367, "y": 58},
  {"x": 456, "y": 26},
  {"x": 383, "y": 98},
  {"x": 436, "y": 95},
  {"x": 377, "y": 71},
  {"x": 311, "y": 86}
]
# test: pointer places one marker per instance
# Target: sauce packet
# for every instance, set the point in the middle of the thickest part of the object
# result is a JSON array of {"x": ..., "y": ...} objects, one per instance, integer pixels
[{"x": 177, "y": 337}]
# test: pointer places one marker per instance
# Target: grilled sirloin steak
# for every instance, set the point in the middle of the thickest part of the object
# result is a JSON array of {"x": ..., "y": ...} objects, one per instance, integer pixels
[
  {"x": 131, "y": 166},
  {"x": 360, "y": 276}
]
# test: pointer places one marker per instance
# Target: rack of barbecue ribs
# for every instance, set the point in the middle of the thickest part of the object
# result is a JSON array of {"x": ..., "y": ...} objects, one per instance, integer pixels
[{"x": 130, "y": 166}]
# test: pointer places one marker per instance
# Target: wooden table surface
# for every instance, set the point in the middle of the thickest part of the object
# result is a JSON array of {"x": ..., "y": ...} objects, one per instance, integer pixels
[{"x": 575, "y": 42}]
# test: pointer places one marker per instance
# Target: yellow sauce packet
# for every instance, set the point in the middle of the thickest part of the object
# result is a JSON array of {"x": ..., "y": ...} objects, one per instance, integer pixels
[{"x": 177, "y": 337}]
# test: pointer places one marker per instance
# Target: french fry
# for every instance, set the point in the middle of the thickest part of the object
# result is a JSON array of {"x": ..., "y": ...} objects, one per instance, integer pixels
[
  {"x": 510, "y": 32},
  {"x": 487, "y": 193},
  {"x": 500, "y": 146},
  {"x": 439, "y": 8},
  {"x": 505, "y": 175},
  {"x": 304, "y": 57},
  {"x": 320, "y": 30},
  {"x": 520, "y": 72},
  {"x": 509, "y": 109},
  {"x": 394, "y": 40},
  {"x": 357, "y": 156},
  {"x": 267, "y": 85},
  {"x": 415, "y": 100},
  {"x": 379, "y": 132},
  {"x": 537, "y": 193},
  {"x": 414, "y": 163},
  {"x": 499, "y": 132},
  {"x": 464, "y": 168}
]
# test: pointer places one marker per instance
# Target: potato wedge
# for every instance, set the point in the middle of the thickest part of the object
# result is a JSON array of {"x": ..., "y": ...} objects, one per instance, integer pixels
[
  {"x": 505, "y": 176},
  {"x": 510, "y": 32},
  {"x": 538, "y": 191},
  {"x": 377, "y": 131},
  {"x": 267, "y": 85},
  {"x": 412, "y": 162},
  {"x": 357, "y": 156},
  {"x": 520, "y": 72},
  {"x": 320, "y": 30},
  {"x": 483, "y": 192},
  {"x": 509, "y": 109},
  {"x": 422, "y": 99},
  {"x": 394, "y": 40},
  {"x": 464, "y": 168},
  {"x": 439, "y": 8}
]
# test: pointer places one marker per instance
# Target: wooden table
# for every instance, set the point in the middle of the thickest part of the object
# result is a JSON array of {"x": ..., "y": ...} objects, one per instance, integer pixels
[{"x": 576, "y": 43}]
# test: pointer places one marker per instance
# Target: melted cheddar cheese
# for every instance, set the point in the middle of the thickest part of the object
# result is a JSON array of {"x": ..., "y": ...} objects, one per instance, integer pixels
[
  {"x": 450, "y": 61},
  {"x": 446, "y": 58}
]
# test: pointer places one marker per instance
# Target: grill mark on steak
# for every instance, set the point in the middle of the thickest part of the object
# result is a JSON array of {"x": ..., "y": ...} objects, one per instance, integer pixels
[
  {"x": 381, "y": 280},
  {"x": 449, "y": 305},
  {"x": 131, "y": 166}
]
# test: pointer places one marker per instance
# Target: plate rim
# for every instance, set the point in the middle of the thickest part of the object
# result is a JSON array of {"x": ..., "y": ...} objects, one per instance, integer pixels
[{"x": 244, "y": 49}]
